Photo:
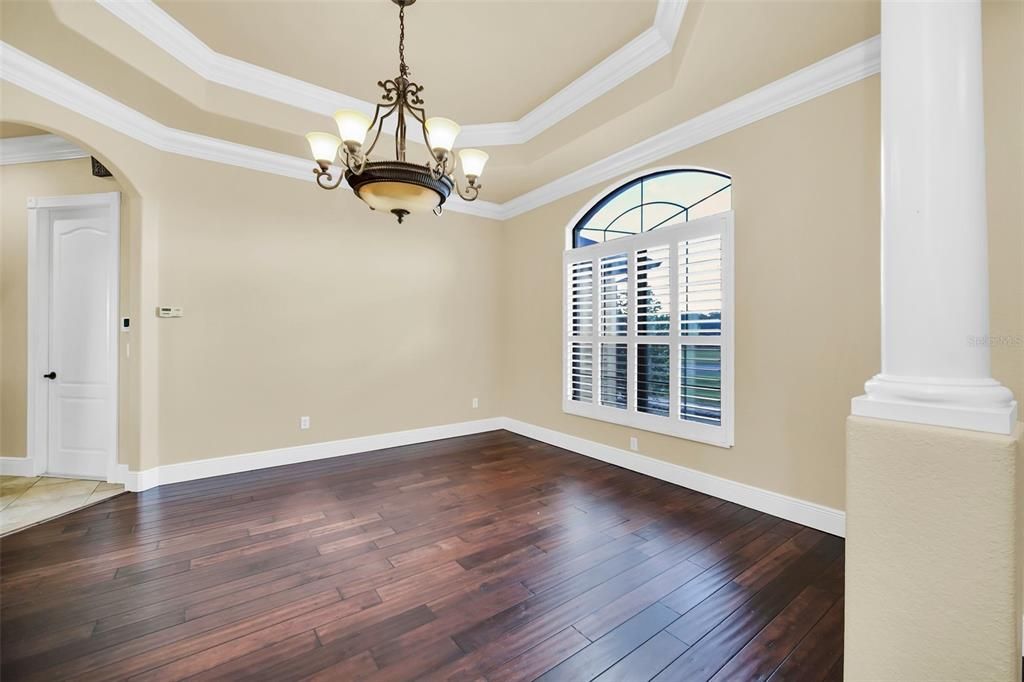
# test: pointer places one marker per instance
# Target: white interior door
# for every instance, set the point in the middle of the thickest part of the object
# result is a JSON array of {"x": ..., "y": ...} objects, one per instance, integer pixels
[{"x": 79, "y": 243}]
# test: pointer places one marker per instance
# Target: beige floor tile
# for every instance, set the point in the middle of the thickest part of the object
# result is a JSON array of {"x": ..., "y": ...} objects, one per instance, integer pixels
[
  {"x": 7, "y": 499},
  {"x": 36, "y": 503},
  {"x": 19, "y": 517},
  {"x": 19, "y": 484},
  {"x": 55, "y": 480},
  {"x": 56, "y": 491}
]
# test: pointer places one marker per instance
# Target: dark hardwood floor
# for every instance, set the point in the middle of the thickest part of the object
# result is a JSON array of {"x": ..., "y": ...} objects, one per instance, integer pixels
[{"x": 487, "y": 557}]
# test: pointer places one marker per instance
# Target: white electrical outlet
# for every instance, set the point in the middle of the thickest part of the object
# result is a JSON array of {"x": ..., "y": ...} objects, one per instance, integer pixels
[
  {"x": 634, "y": 443},
  {"x": 303, "y": 423},
  {"x": 476, "y": 403}
]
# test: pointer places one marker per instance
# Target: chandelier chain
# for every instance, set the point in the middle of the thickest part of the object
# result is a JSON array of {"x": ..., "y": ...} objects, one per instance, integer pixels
[{"x": 403, "y": 69}]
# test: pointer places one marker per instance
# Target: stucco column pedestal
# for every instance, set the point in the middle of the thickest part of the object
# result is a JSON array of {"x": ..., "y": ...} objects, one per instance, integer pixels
[{"x": 933, "y": 557}]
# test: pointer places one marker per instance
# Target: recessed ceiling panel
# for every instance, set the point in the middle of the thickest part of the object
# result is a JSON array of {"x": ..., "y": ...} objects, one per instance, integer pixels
[{"x": 481, "y": 61}]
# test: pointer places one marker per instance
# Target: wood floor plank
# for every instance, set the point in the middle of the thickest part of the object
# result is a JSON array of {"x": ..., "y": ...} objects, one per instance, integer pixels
[
  {"x": 490, "y": 556},
  {"x": 647, "y": 660},
  {"x": 617, "y": 644}
]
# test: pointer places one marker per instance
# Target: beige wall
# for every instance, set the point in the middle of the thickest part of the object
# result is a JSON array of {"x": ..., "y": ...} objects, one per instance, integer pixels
[
  {"x": 806, "y": 198},
  {"x": 17, "y": 183},
  {"x": 1004, "y": 147},
  {"x": 297, "y": 302},
  {"x": 300, "y": 302}
]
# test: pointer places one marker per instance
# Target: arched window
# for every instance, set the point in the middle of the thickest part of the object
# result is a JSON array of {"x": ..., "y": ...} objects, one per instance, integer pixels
[
  {"x": 654, "y": 200},
  {"x": 648, "y": 331}
]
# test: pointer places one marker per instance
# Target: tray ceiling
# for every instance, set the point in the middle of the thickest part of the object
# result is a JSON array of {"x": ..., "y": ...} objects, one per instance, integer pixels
[{"x": 481, "y": 61}]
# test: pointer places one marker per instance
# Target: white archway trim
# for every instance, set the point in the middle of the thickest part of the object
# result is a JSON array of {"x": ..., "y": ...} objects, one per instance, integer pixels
[
  {"x": 36, "y": 148},
  {"x": 843, "y": 68},
  {"x": 656, "y": 42}
]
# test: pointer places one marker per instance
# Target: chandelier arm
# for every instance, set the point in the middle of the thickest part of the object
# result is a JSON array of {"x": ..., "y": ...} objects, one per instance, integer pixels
[
  {"x": 359, "y": 161},
  {"x": 471, "y": 192},
  {"x": 321, "y": 174},
  {"x": 378, "y": 120}
]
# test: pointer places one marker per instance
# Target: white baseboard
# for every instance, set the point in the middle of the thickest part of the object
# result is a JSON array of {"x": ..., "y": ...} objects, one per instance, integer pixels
[
  {"x": 799, "y": 511},
  {"x": 137, "y": 481},
  {"x": 790, "y": 508},
  {"x": 16, "y": 466}
]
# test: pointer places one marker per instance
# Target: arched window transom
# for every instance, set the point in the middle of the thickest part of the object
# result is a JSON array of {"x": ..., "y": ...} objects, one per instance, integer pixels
[{"x": 655, "y": 200}]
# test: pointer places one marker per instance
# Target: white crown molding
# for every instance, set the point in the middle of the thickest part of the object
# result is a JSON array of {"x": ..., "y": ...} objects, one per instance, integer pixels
[
  {"x": 159, "y": 27},
  {"x": 29, "y": 73},
  {"x": 843, "y": 68},
  {"x": 36, "y": 148}
]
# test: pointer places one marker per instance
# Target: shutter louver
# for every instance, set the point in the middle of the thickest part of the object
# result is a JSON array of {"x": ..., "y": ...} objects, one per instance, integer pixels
[
  {"x": 653, "y": 291},
  {"x": 614, "y": 295},
  {"x": 700, "y": 384},
  {"x": 581, "y": 372},
  {"x": 653, "y": 382},
  {"x": 614, "y": 366},
  {"x": 700, "y": 286},
  {"x": 581, "y": 298}
]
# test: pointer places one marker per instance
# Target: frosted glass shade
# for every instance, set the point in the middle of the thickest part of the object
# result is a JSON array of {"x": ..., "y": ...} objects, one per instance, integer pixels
[
  {"x": 403, "y": 196},
  {"x": 324, "y": 146},
  {"x": 473, "y": 162},
  {"x": 442, "y": 133},
  {"x": 352, "y": 125}
]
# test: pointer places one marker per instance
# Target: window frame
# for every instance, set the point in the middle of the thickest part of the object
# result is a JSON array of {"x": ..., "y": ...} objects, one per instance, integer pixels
[{"x": 718, "y": 224}]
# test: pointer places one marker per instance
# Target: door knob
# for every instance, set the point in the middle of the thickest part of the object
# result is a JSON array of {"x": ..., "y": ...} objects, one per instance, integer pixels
[{"x": 51, "y": 375}]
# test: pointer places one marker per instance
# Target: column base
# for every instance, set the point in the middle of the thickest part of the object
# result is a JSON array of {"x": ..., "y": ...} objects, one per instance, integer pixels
[
  {"x": 933, "y": 553},
  {"x": 977, "y": 405}
]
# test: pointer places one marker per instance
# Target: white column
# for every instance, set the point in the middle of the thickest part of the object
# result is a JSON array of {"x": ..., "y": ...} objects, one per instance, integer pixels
[{"x": 935, "y": 329}]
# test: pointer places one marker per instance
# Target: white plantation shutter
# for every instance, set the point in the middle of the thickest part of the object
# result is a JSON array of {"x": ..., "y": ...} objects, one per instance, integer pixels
[
  {"x": 580, "y": 324},
  {"x": 648, "y": 330}
]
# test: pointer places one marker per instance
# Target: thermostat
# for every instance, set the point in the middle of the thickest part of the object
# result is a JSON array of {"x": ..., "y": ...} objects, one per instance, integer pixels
[{"x": 170, "y": 311}]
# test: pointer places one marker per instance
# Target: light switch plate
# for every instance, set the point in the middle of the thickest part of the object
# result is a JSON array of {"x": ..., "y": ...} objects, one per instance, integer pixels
[{"x": 170, "y": 311}]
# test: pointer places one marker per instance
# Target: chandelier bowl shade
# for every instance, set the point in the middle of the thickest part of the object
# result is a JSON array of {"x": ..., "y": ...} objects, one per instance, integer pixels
[{"x": 399, "y": 187}]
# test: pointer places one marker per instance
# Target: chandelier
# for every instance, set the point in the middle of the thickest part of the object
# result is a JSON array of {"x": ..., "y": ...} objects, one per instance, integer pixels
[{"x": 399, "y": 186}]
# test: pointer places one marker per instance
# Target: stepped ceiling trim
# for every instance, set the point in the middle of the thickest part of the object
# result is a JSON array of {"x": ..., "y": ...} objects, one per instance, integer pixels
[
  {"x": 656, "y": 42},
  {"x": 843, "y": 68}
]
